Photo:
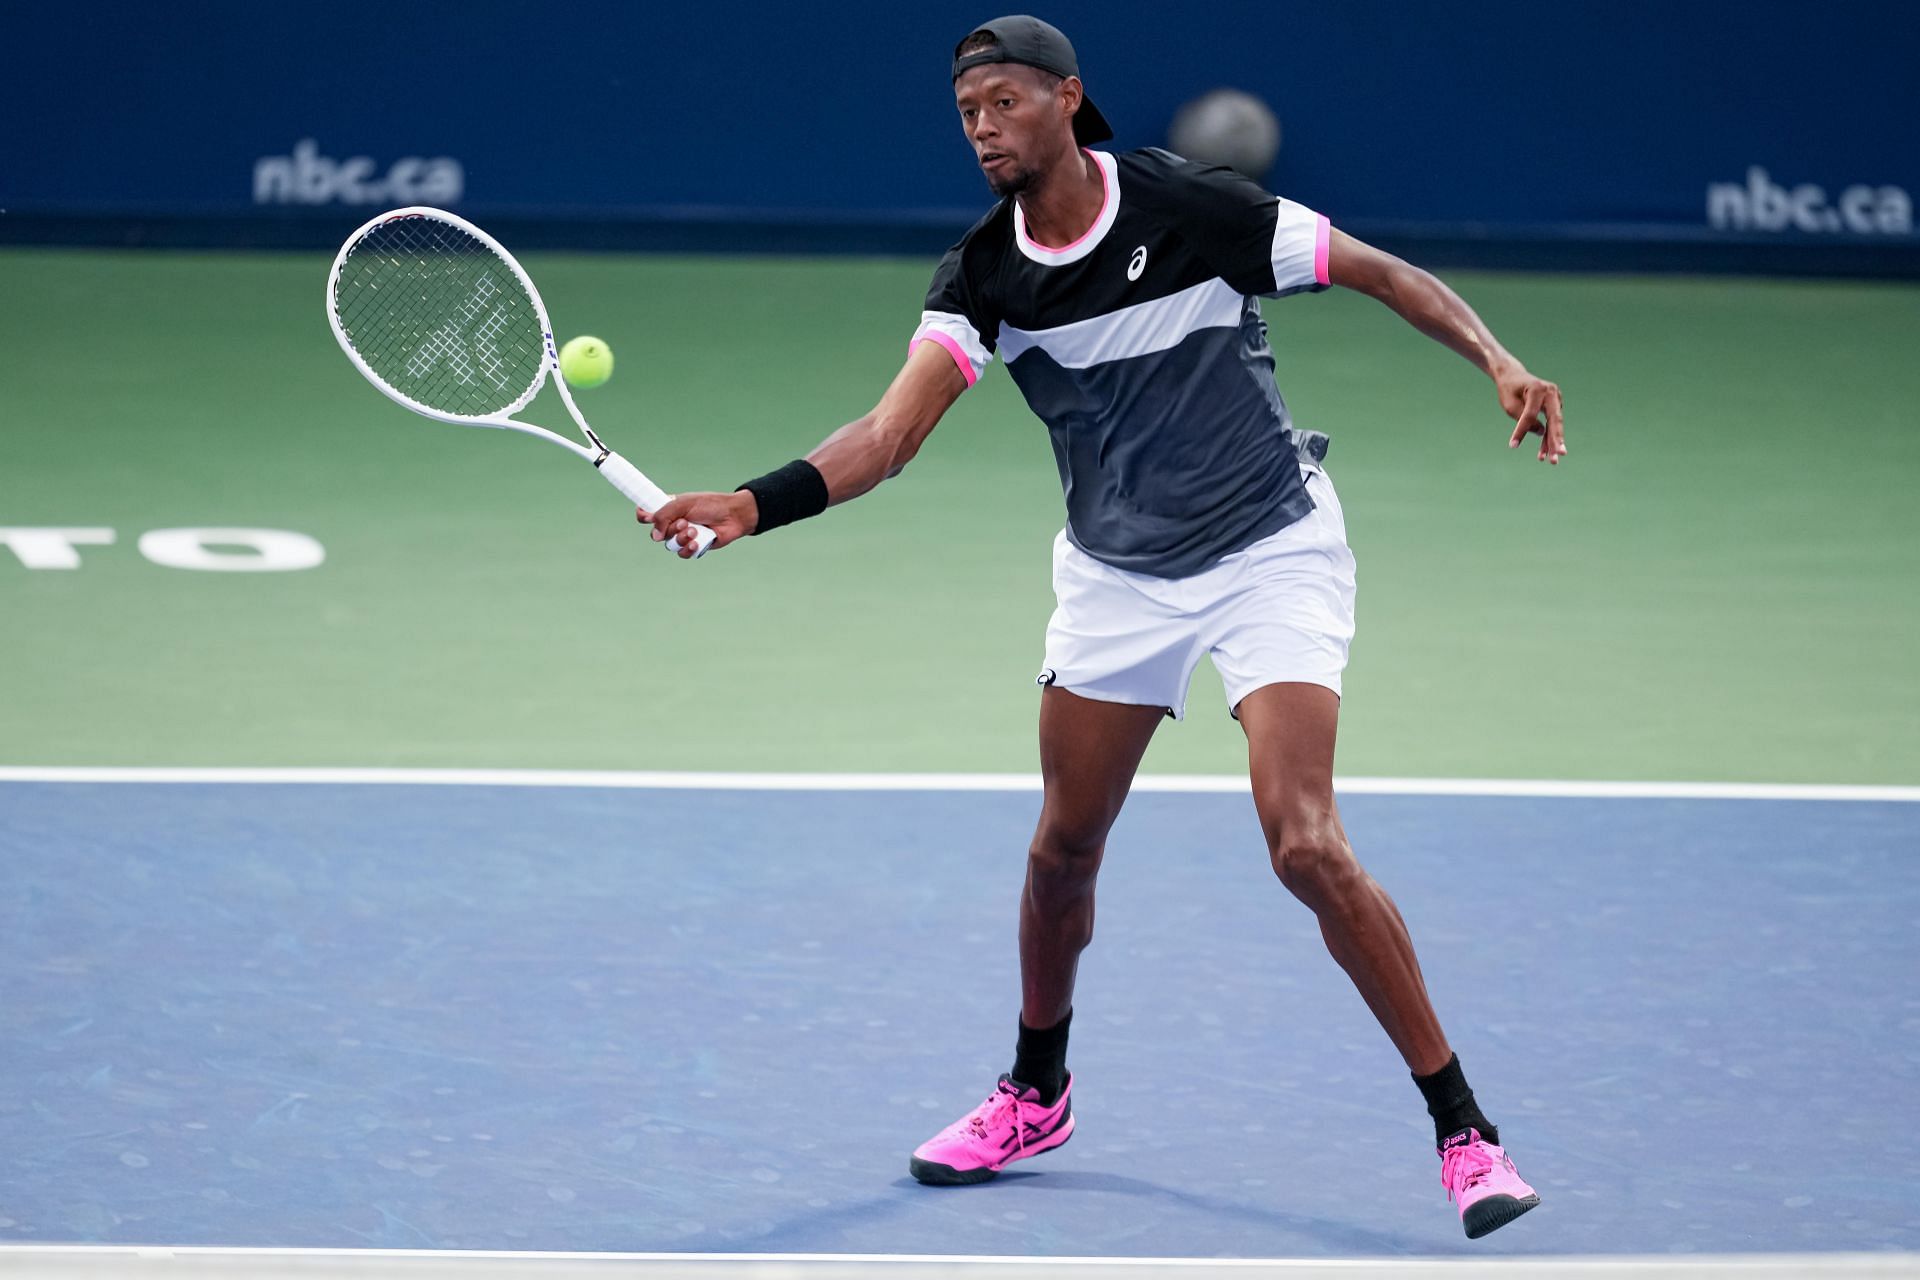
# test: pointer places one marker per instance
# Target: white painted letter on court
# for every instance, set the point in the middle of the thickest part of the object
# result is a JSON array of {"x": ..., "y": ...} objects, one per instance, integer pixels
[
  {"x": 232, "y": 550},
  {"x": 53, "y": 548}
]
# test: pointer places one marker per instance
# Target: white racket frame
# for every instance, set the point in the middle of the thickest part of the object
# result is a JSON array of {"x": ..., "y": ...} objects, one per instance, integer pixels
[{"x": 620, "y": 473}]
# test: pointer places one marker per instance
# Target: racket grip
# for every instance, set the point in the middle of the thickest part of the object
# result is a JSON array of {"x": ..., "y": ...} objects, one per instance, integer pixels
[{"x": 642, "y": 492}]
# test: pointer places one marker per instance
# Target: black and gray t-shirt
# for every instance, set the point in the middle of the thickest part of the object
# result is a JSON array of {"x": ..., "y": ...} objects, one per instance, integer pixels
[{"x": 1140, "y": 345}]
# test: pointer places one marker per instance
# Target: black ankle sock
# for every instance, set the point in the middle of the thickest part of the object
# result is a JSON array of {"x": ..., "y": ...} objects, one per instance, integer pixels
[
  {"x": 1450, "y": 1103},
  {"x": 1040, "y": 1059}
]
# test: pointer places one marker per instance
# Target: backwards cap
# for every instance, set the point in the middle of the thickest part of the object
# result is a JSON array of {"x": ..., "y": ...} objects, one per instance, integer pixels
[{"x": 1033, "y": 43}]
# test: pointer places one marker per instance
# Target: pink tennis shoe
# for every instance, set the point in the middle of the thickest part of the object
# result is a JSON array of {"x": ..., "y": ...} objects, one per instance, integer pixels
[
  {"x": 1010, "y": 1125},
  {"x": 1481, "y": 1179}
]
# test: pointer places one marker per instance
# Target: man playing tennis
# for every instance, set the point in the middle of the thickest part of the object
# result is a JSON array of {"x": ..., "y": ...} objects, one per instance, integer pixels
[{"x": 1122, "y": 291}]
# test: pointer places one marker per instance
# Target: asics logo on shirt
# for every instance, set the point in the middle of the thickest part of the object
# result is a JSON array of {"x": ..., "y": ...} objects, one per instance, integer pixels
[{"x": 1137, "y": 263}]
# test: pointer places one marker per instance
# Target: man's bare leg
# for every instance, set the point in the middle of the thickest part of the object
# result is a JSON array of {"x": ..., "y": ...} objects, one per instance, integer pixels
[
  {"x": 1290, "y": 737},
  {"x": 1089, "y": 752}
]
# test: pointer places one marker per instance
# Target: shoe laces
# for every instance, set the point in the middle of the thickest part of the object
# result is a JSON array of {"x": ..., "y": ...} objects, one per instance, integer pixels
[
  {"x": 1004, "y": 1098},
  {"x": 1465, "y": 1167}
]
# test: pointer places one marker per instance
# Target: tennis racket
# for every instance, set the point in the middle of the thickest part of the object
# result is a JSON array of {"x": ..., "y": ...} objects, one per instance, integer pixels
[{"x": 440, "y": 317}]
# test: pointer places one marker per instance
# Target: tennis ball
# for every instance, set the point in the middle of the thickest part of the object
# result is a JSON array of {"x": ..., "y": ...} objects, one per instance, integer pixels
[
  {"x": 586, "y": 362},
  {"x": 1227, "y": 127}
]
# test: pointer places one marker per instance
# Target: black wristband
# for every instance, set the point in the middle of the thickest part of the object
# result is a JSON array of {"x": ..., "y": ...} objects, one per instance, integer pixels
[{"x": 794, "y": 492}]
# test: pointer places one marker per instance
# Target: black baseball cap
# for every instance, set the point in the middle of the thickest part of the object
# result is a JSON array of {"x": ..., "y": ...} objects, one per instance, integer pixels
[{"x": 1033, "y": 43}]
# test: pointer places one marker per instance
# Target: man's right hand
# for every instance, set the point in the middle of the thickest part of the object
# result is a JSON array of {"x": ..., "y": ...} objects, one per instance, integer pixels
[{"x": 731, "y": 516}]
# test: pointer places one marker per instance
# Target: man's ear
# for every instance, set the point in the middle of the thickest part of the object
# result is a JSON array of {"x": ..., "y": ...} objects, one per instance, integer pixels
[{"x": 1072, "y": 94}]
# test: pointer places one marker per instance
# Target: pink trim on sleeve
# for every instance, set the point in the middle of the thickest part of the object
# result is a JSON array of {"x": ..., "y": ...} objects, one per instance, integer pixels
[
  {"x": 1321, "y": 235},
  {"x": 953, "y": 349}
]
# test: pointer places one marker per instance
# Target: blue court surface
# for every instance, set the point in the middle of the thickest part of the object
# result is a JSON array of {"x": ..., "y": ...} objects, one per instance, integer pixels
[{"x": 553, "y": 1018}]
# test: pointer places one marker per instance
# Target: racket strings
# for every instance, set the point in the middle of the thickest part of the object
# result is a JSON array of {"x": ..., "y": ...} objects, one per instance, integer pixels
[{"x": 439, "y": 317}]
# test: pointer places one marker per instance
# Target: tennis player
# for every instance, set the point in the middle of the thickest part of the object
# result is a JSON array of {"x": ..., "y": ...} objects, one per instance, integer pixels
[{"x": 1122, "y": 291}]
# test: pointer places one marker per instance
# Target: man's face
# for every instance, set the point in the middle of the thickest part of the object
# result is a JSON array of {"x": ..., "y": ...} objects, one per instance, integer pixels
[{"x": 1016, "y": 120}]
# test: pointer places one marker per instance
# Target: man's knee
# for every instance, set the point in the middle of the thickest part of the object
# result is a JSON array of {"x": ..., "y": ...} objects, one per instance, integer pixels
[
  {"x": 1066, "y": 853},
  {"x": 1316, "y": 864}
]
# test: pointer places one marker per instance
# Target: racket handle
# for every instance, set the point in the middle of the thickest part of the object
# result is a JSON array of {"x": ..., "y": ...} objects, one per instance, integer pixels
[{"x": 642, "y": 492}]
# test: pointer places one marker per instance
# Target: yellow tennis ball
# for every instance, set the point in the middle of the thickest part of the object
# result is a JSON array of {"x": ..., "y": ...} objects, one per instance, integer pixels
[{"x": 586, "y": 362}]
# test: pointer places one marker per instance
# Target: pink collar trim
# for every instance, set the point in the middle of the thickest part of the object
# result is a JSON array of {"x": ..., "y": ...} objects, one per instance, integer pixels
[{"x": 1109, "y": 206}]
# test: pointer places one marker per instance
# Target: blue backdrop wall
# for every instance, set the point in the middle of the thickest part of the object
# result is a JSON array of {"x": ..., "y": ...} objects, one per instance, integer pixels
[{"x": 1776, "y": 128}]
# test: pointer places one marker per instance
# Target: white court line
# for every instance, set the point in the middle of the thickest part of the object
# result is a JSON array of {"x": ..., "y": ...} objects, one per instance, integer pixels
[
  {"x": 419, "y": 1264},
  {"x": 363, "y": 1262},
  {"x": 1164, "y": 782}
]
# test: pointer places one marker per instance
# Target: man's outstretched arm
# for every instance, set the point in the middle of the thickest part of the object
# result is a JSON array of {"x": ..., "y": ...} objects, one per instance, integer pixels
[
  {"x": 1437, "y": 311},
  {"x": 851, "y": 461}
]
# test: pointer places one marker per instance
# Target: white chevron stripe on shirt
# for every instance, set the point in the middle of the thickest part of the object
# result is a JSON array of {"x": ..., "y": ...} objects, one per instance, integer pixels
[{"x": 1138, "y": 330}]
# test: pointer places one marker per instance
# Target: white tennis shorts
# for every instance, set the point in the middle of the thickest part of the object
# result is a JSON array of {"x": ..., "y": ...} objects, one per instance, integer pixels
[{"x": 1279, "y": 611}]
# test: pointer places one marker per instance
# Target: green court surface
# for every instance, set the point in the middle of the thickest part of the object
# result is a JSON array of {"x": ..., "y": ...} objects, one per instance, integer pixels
[{"x": 1721, "y": 583}]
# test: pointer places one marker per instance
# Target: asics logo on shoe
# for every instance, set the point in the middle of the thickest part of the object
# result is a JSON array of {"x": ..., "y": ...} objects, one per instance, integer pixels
[{"x": 1032, "y": 1131}]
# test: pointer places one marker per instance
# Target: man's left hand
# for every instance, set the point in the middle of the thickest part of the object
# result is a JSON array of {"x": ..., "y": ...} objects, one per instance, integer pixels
[{"x": 1534, "y": 405}]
